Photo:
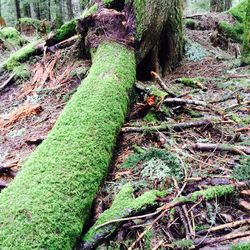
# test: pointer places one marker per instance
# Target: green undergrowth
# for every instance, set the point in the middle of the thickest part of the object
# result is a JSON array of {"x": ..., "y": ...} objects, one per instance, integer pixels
[
  {"x": 90, "y": 11},
  {"x": 48, "y": 203},
  {"x": 12, "y": 38},
  {"x": 124, "y": 205},
  {"x": 233, "y": 31}
]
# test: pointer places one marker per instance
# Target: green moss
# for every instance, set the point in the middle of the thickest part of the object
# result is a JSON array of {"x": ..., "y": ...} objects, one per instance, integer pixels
[
  {"x": 239, "y": 11},
  {"x": 21, "y": 55},
  {"x": 191, "y": 24},
  {"x": 183, "y": 244},
  {"x": 48, "y": 203},
  {"x": 124, "y": 205},
  {"x": 90, "y": 11},
  {"x": 150, "y": 117},
  {"x": 241, "y": 246},
  {"x": 190, "y": 82},
  {"x": 153, "y": 90},
  {"x": 234, "y": 32},
  {"x": 21, "y": 71},
  {"x": 242, "y": 171},
  {"x": 65, "y": 31},
  {"x": 11, "y": 36}
]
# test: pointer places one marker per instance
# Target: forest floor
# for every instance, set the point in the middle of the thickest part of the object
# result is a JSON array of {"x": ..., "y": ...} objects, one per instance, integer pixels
[{"x": 207, "y": 134}]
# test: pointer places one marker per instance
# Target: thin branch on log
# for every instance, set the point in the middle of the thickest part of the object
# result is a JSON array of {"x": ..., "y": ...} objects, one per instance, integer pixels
[
  {"x": 238, "y": 105},
  {"x": 180, "y": 101},
  {"x": 242, "y": 150},
  {"x": 225, "y": 226},
  {"x": 7, "y": 82},
  {"x": 169, "y": 127}
]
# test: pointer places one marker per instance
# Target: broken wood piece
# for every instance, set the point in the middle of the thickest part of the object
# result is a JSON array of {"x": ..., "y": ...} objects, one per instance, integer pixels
[
  {"x": 245, "y": 205},
  {"x": 169, "y": 127},
  {"x": 7, "y": 82},
  {"x": 245, "y": 192},
  {"x": 181, "y": 101},
  {"x": 242, "y": 150},
  {"x": 64, "y": 44}
]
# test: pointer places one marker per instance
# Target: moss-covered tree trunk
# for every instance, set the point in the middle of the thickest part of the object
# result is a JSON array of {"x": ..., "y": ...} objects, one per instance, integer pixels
[
  {"x": 246, "y": 42},
  {"x": 48, "y": 203}
]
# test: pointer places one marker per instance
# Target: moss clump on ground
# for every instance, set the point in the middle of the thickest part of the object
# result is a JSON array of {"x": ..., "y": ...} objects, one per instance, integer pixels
[
  {"x": 242, "y": 171},
  {"x": 12, "y": 37},
  {"x": 191, "y": 82},
  {"x": 246, "y": 40},
  {"x": 124, "y": 205},
  {"x": 48, "y": 203}
]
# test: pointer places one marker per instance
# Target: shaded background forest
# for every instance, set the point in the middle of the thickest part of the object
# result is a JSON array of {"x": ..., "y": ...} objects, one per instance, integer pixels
[{"x": 55, "y": 10}]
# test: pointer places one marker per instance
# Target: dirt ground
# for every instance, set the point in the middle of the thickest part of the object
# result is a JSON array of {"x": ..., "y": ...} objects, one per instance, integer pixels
[{"x": 29, "y": 108}]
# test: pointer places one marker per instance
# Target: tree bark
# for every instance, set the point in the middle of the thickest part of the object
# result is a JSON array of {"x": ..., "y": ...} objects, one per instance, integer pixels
[
  {"x": 220, "y": 5},
  {"x": 48, "y": 203},
  {"x": 18, "y": 11}
]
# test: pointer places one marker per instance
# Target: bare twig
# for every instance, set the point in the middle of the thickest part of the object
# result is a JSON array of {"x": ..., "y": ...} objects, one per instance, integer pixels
[
  {"x": 181, "y": 101},
  {"x": 171, "y": 127},
  {"x": 226, "y": 226},
  {"x": 242, "y": 150},
  {"x": 7, "y": 82}
]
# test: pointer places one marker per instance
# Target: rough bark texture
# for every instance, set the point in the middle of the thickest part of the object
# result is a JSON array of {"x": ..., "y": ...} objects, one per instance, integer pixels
[
  {"x": 220, "y": 5},
  {"x": 48, "y": 203},
  {"x": 246, "y": 42}
]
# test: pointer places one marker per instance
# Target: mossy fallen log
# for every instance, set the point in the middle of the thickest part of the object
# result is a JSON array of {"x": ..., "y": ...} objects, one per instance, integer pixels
[
  {"x": 48, "y": 203},
  {"x": 123, "y": 206}
]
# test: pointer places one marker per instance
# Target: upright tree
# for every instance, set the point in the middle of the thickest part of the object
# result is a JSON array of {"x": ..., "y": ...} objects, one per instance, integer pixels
[{"x": 18, "y": 10}]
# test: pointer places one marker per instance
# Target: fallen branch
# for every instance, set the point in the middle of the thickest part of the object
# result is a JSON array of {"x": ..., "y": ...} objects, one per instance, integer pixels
[
  {"x": 226, "y": 226},
  {"x": 168, "y": 127},
  {"x": 124, "y": 205},
  {"x": 242, "y": 150},
  {"x": 162, "y": 84},
  {"x": 180, "y": 101},
  {"x": 227, "y": 97},
  {"x": 7, "y": 82},
  {"x": 230, "y": 236},
  {"x": 3, "y": 185}
]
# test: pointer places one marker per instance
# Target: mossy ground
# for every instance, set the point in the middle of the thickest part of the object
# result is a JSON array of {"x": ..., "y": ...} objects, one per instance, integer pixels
[
  {"x": 12, "y": 37},
  {"x": 46, "y": 211}
]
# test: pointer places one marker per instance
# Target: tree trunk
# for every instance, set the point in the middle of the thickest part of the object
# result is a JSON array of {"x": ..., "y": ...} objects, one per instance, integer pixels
[
  {"x": 220, "y": 5},
  {"x": 48, "y": 203},
  {"x": 69, "y": 9},
  {"x": 18, "y": 11},
  {"x": 246, "y": 42}
]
